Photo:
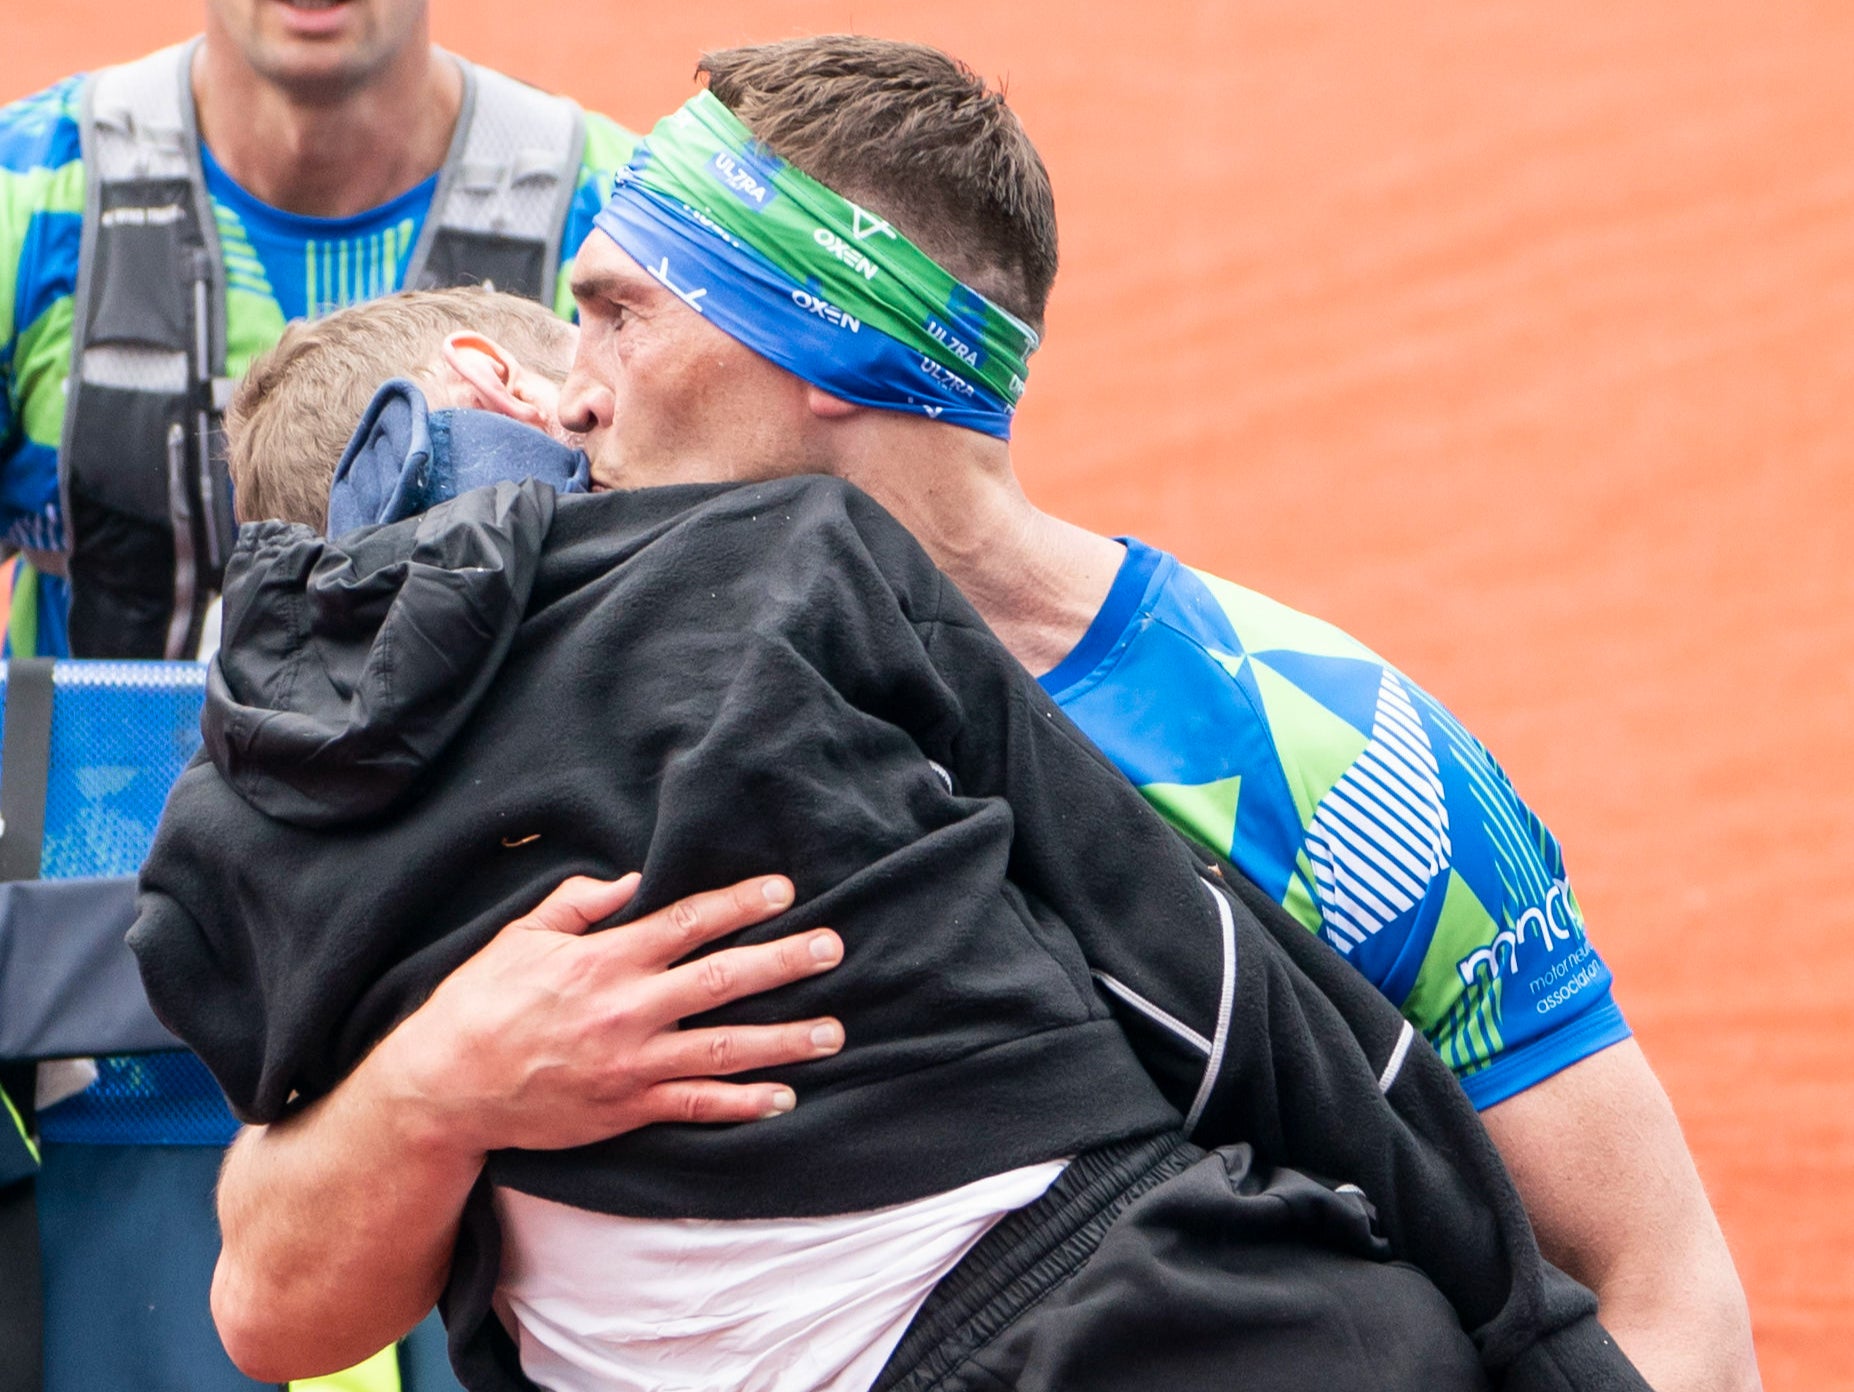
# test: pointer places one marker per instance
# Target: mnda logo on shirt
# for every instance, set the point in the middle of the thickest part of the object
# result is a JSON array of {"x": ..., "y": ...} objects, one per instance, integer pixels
[{"x": 1553, "y": 924}]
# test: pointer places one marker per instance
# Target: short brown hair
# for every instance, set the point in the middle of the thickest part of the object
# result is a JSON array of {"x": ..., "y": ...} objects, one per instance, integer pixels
[
  {"x": 296, "y": 407},
  {"x": 914, "y": 136}
]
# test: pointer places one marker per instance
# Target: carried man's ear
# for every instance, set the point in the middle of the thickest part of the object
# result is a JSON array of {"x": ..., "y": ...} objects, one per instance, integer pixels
[{"x": 482, "y": 374}]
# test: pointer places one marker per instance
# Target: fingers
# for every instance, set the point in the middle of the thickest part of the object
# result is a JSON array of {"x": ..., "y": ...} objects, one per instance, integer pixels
[
  {"x": 705, "y": 1100},
  {"x": 579, "y": 903},
  {"x": 704, "y": 1053},
  {"x": 729, "y": 975},
  {"x": 674, "y": 932}
]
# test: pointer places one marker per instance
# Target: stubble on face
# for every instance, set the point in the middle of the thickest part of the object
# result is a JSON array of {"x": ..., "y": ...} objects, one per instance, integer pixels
[{"x": 320, "y": 50}]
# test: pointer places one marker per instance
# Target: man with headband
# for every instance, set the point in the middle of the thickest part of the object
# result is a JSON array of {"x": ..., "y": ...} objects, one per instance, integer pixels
[{"x": 731, "y": 313}]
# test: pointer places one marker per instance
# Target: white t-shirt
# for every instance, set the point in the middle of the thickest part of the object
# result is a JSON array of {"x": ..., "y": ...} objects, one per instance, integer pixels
[{"x": 604, "y": 1304}]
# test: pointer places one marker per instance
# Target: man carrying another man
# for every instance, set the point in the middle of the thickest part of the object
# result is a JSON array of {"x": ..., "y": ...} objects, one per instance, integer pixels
[
  {"x": 802, "y": 691},
  {"x": 1399, "y": 841}
]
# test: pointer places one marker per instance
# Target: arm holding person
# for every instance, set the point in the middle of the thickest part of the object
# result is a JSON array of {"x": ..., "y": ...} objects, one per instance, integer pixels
[{"x": 339, "y": 1222}]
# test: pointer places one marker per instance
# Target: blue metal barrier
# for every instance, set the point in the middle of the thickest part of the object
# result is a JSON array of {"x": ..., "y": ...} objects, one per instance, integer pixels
[
  {"x": 121, "y": 733},
  {"x": 128, "y": 1235}
]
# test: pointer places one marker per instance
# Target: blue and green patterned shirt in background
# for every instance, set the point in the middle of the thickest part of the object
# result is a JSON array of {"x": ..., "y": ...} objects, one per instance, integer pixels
[
  {"x": 1350, "y": 795},
  {"x": 278, "y": 267}
]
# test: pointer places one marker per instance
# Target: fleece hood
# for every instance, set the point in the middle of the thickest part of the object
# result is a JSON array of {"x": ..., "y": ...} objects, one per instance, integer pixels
[
  {"x": 406, "y": 458},
  {"x": 348, "y": 664},
  {"x": 349, "y": 661}
]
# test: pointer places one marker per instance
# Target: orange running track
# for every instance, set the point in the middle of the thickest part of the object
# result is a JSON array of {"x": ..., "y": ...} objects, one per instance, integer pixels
[{"x": 1517, "y": 338}]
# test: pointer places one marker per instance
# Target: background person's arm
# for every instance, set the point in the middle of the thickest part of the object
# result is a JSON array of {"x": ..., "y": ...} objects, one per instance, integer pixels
[
  {"x": 1597, "y": 1155},
  {"x": 339, "y": 1221}
]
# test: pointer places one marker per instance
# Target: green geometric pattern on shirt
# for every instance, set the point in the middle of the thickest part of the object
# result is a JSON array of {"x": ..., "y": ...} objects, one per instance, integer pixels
[
  {"x": 1321, "y": 745},
  {"x": 1468, "y": 1032},
  {"x": 40, "y": 350},
  {"x": 23, "y": 194},
  {"x": 345, "y": 271},
  {"x": 1265, "y": 624},
  {"x": 1207, "y": 809},
  {"x": 1315, "y": 747},
  {"x": 253, "y": 322},
  {"x": 41, "y": 362}
]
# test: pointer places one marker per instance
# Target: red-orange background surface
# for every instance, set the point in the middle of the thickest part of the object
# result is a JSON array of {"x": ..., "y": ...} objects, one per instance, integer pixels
[{"x": 1516, "y": 337}]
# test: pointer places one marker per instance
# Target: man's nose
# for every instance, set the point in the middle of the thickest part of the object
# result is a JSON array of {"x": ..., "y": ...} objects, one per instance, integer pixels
[{"x": 585, "y": 404}]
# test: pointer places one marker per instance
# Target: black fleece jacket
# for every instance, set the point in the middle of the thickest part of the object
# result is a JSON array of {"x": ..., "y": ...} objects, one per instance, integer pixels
[
  {"x": 413, "y": 734},
  {"x": 416, "y": 732}
]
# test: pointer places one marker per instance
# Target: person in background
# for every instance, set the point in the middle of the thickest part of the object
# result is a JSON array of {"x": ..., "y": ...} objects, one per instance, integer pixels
[{"x": 165, "y": 219}]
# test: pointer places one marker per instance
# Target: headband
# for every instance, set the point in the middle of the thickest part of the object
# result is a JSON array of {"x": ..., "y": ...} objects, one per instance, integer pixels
[{"x": 806, "y": 278}]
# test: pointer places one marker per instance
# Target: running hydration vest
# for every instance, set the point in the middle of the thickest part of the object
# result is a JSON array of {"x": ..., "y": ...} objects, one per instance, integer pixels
[{"x": 142, "y": 477}]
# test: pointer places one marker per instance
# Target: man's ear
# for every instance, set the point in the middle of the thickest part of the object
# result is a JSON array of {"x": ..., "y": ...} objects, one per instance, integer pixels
[
  {"x": 828, "y": 407},
  {"x": 481, "y": 373}
]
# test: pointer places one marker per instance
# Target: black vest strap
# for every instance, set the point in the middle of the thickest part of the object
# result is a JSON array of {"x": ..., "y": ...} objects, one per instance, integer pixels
[
  {"x": 25, "y": 760},
  {"x": 25, "y": 764}
]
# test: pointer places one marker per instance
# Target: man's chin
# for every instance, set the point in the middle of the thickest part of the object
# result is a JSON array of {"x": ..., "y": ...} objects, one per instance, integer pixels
[
  {"x": 313, "y": 72},
  {"x": 314, "y": 64},
  {"x": 667, "y": 471},
  {"x": 607, "y": 473}
]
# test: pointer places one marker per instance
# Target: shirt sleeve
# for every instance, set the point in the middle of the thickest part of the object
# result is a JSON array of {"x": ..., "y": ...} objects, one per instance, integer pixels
[{"x": 1495, "y": 967}]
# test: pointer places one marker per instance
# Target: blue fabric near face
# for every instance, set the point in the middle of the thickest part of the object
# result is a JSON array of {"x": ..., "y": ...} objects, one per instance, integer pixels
[
  {"x": 750, "y": 299},
  {"x": 406, "y": 458}
]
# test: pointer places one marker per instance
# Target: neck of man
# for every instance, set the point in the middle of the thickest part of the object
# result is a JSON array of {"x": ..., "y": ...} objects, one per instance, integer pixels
[
  {"x": 1037, "y": 580},
  {"x": 327, "y": 153}
]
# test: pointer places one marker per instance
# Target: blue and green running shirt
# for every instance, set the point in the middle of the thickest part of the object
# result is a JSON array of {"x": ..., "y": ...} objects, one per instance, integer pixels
[
  {"x": 1351, "y": 796},
  {"x": 278, "y": 267},
  {"x": 307, "y": 266}
]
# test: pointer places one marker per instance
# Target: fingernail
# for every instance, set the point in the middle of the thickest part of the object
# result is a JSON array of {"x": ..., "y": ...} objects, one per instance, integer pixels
[
  {"x": 778, "y": 893},
  {"x": 824, "y": 948},
  {"x": 782, "y": 1101},
  {"x": 827, "y": 1036}
]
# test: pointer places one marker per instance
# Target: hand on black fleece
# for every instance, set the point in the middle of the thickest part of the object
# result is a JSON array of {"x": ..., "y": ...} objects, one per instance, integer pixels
[{"x": 552, "y": 1037}]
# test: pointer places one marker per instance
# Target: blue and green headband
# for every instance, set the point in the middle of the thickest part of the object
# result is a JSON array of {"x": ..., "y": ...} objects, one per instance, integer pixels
[{"x": 808, "y": 279}]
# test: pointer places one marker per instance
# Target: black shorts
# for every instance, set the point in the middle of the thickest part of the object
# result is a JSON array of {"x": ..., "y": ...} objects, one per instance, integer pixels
[{"x": 1162, "y": 1266}]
